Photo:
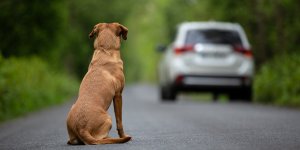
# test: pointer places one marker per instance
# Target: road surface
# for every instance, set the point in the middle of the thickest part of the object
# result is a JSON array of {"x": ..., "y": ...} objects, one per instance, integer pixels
[{"x": 154, "y": 125}]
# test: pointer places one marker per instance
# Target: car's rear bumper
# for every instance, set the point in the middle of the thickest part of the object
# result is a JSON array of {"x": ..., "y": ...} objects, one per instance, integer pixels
[{"x": 211, "y": 83}]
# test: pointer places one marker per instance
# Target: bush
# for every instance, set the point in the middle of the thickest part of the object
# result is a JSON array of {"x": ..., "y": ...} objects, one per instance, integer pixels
[
  {"x": 277, "y": 82},
  {"x": 27, "y": 84}
]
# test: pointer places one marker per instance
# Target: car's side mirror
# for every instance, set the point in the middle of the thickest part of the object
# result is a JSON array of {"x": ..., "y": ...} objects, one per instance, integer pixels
[{"x": 161, "y": 48}]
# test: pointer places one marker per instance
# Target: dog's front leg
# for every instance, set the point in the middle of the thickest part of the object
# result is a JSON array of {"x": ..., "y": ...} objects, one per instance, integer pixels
[{"x": 118, "y": 113}]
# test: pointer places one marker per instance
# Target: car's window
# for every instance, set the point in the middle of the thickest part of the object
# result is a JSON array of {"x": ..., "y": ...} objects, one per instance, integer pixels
[{"x": 213, "y": 36}]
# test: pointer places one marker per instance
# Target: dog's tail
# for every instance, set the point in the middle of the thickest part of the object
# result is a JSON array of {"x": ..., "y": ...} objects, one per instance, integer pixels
[
  {"x": 87, "y": 138},
  {"x": 114, "y": 140}
]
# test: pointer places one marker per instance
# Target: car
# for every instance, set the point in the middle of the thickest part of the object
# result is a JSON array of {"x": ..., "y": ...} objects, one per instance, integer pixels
[{"x": 207, "y": 57}]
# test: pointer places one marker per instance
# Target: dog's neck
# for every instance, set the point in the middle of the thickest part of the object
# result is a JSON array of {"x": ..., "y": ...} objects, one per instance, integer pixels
[
  {"x": 115, "y": 53},
  {"x": 102, "y": 56},
  {"x": 109, "y": 52}
]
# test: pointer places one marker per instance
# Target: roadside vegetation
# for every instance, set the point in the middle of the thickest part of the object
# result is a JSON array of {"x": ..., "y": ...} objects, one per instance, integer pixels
[
  {"x": 28, "y": 84},
  {"x": 277, "y": 82},
  {"x": 51, "y": 43}
]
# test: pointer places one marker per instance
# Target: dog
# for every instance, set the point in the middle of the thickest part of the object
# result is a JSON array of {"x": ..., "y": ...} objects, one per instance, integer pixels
[{"x": 88, "y": 121}]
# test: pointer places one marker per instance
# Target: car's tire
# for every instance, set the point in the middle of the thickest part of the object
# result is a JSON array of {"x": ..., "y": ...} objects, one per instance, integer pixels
[
  {"x": 234, "y": 96},
  {"x": 244, "y": 94},
  {"x": 247, "y": 94},
  {"x": 167, "y": 93}
]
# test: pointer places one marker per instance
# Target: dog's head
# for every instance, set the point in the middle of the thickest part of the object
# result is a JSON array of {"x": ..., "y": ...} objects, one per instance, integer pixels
[{"x": 118, "y": 29}]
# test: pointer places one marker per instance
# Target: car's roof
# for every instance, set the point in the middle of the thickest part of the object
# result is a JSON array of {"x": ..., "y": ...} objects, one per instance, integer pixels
[
  {"x": 209, "y": 25},
  {"x": 186, "y": 26}
]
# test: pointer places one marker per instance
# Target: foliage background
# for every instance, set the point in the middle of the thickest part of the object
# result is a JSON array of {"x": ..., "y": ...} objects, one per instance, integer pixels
[
  {"x": 28, "y": 84},
  {"x": 56, "y": 33}
]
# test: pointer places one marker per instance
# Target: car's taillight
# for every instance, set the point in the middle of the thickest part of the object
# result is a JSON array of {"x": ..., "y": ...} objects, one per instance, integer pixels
[
  {"x": 179, "y": 79},
  {"x": 183, "y": 49},
  {"x": 242, "y": 50}
]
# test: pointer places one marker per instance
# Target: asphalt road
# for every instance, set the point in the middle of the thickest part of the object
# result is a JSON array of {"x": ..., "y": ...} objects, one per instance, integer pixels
[{"x": 155, "y": 125}]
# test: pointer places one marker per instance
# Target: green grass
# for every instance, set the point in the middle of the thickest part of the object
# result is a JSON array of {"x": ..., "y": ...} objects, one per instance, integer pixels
[
  {"x": 278, "y": 81},
  {"x": 28, "y": 84}
]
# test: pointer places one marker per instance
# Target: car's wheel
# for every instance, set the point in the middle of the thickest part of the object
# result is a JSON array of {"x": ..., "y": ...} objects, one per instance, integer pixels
[
  {"x": 244, "y": 94},
  {"x": 247, "y": 94},
  {"x": 234, "y": 96},
  {"x": 167, "y": 93}
]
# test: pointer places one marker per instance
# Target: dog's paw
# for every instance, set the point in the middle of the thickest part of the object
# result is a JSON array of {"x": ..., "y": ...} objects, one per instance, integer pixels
[{"x": 127, "y": 136}]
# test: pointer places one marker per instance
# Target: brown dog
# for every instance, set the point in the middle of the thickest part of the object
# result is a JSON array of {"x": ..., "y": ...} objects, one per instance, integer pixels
[{"x": 88, "y": 121}]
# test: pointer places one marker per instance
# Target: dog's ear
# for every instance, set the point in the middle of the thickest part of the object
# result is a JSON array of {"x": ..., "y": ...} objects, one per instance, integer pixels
[
  {"x": 94, "y": 31},
  {"x": 122, "y": 31},
  {"x": 98, "y": 27}
]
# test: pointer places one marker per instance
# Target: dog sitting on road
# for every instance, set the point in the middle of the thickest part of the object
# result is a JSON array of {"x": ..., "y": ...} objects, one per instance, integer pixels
[{"x": 88, "y": 121}]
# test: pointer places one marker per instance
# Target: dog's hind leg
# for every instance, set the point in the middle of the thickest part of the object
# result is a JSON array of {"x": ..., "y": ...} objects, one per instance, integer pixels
[
  {"x": 102, "y": 135},
  {"x": 99, "y": 132},
  {"x": 104, "y": 129},
  {"x": 73, "y": 140}
]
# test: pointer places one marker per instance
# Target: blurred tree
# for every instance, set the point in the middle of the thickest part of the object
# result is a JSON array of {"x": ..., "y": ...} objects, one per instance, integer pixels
[
  {"x": 83, "y": 15},
  {"x": 59, "y": 28},
  {"x": 30, "y": 26},
  {"x": 147, "y": 28}
]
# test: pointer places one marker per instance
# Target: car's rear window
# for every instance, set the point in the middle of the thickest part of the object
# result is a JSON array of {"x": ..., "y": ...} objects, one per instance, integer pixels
[{"x": 213, "y": 36}]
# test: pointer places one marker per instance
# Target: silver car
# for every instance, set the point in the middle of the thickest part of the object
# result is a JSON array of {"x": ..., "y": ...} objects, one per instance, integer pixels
[{"x": 207, "y": 56}]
